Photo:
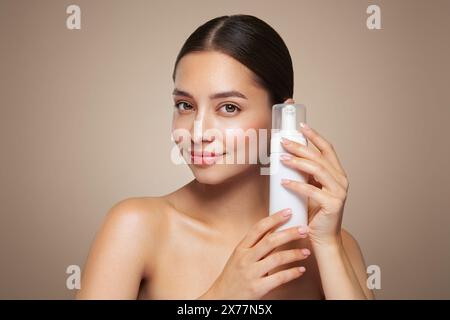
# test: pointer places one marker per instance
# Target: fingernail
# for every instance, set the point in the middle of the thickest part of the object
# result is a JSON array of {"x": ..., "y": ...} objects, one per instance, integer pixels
[
  {"x": 285, "y": 156},
  {"x": 285, "y": 181},
  {"x": 301, "y": 269},
  {"x": 306, "y": 252},
  {"x": 287, "y": 212},
  {"x": 302, "y": 231},
  {"x": 304, "y": 125},
  {"x": 285, "y": 141}
]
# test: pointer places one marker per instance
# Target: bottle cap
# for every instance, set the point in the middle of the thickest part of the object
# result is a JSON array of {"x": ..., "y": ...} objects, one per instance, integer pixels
[
  {"x": 287, "y": 117},
  {"x": 286, "y": 120}
]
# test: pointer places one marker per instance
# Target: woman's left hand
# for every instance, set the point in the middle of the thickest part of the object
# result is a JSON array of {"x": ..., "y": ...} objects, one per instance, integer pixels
[{"x": 326, "y": 188}]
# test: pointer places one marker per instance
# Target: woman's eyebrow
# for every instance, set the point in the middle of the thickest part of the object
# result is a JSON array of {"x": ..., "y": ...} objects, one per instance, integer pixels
[{"x": 225, "y": 94}]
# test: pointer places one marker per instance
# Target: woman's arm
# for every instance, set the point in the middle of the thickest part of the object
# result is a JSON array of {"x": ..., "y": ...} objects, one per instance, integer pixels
[
  {"x": 339, "y": 258},
  {"x": 342, "y": 269},
  {"x": 116, "y": 261}
]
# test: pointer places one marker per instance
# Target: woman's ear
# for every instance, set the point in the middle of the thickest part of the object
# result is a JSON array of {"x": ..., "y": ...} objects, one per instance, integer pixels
[{"x": 290, "y": 100}]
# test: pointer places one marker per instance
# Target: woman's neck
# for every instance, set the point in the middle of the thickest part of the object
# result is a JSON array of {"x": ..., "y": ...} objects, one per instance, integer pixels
[{"x": 237, "y": 203}]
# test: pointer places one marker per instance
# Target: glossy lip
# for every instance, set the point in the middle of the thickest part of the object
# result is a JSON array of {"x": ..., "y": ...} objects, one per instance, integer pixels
[
  {"x": 204, "y": 158},
  {"x": 205, "y": 154}
]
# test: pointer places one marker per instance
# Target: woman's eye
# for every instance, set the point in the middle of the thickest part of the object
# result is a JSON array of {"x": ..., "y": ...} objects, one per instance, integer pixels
[
  {"x": 229, "y": 109},
  {"x": 183, "y": 106}
]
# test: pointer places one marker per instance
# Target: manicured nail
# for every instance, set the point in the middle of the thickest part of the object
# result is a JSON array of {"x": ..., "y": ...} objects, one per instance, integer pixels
[
  {"x": 306, "y": 252},
  {"x": 301, "y": 269},
  {"x": 285, "y": 156},
  {"x": 285, "y": 141},
  {"x": 285, "y": 181},
  {"x": 287, "y": 212},
  {"x": 304, "y": 126}
]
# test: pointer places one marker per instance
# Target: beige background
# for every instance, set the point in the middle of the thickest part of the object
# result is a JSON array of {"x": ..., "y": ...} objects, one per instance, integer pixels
[{"x": 85, "y": 122}]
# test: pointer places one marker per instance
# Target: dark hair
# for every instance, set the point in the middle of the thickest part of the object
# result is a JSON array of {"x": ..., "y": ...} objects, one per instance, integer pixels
[{"x": 253, "y": 43}]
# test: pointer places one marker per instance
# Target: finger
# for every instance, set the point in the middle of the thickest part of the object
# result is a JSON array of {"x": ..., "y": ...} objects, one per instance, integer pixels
[
  {"x": 275, "y": 239},
  {"x": 319, "y": 172},
  {"x": 263, "y": 226},
  {"x": 289, "y": 100},
  {"x": 272, "y": 281},
  {"x": 280, "y": 258},
  {"x": 321, "y": 196},
  {"x": 303, "y": 230},
  {"x": 325, "y": 147},
  {"x": 302, "y": 151}
]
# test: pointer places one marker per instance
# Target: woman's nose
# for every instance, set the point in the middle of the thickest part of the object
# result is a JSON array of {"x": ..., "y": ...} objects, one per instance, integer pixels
[{"x": 202, "y": 130}]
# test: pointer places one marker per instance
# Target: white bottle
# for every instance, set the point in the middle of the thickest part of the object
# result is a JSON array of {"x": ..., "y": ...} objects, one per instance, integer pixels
[{"x": 286, "y": 120}]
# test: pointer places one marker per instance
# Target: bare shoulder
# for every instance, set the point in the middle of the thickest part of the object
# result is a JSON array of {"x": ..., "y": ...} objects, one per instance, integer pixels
[
  {"x": 138, "y": 212},
  {"x": 351, "y": 245},
  {"x": 356, "y": 258},
  {"x": 134, "y": 220},
  {"x": 348, "y": 240},
  {"x": 119, "y": 255}
]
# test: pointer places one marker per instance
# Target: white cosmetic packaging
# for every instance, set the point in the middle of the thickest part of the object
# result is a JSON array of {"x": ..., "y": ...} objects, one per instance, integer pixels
[{"x": 286, "y": 120}]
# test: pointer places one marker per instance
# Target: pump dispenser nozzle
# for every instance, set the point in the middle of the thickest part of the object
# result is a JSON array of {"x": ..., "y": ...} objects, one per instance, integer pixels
[{"x": 288, "y": 118}]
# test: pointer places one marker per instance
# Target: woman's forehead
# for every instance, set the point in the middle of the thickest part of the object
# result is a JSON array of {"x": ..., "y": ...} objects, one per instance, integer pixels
[
  {"x": 211, "y": 72},
  {"x": 211, "y": 66}
]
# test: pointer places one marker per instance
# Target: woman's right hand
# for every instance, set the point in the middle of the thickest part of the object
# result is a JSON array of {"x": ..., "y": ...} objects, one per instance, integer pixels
[{"x": 245, "y": 275}]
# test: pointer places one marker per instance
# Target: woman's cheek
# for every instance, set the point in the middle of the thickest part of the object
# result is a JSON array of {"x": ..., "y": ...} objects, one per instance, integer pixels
[
  {"x": 181, "y": 136},
  {"x": 243, "y": 142}
]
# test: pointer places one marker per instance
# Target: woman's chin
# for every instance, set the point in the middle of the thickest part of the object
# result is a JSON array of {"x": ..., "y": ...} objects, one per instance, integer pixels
[
  {"x": 217, "y": 174},
  {"x": 209, "y": 177}
]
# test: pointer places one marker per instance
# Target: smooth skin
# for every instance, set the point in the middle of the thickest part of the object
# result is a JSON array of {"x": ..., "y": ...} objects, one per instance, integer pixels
[
  {"x": 125, "y": 250},
  {"x": 246, "y": 274},
  {"x": 212, "y": 238}
]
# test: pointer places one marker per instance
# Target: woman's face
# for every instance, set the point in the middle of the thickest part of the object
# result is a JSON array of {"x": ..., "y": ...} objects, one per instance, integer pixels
[{"x": 217, "y": 101}]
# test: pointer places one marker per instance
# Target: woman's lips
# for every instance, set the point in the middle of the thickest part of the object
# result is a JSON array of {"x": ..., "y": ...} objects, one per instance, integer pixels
[
  {"x": 204, "y": 157},
  {"x": 204, "y": 154}
]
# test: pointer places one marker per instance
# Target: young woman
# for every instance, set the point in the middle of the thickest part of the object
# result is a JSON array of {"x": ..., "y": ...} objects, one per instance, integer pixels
[{"x": 213, "y": 237}]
